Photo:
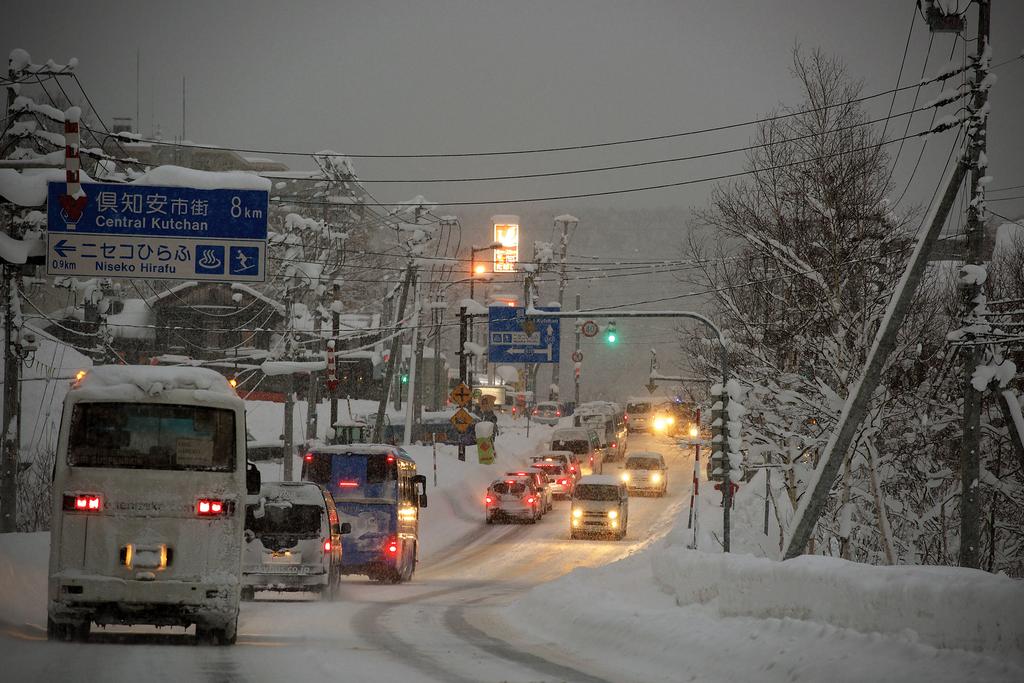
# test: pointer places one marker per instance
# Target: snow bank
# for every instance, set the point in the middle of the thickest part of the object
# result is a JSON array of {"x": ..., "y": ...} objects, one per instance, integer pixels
[
  {"x": 24, "y": 559},
  {"x": 947, "y": 607}
]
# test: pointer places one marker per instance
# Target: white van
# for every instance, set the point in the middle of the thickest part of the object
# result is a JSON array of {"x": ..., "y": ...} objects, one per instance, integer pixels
[
  {"x": 600, "y": 506},
  {"x": 292, "y": 540},
  {"x": 149, "y": 503}
]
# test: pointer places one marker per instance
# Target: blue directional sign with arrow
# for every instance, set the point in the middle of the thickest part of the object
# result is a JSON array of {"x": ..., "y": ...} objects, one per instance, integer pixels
[
  {"x": 514, "y": 338},
  {"x": 162, "y": 232}
]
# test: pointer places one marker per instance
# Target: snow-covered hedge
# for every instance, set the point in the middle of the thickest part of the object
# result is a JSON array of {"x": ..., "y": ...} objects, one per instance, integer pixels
[{"x": 946, "y": 607}]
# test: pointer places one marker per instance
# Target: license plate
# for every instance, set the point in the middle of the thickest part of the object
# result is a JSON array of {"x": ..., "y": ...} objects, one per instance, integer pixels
[{"x": 281, "y": 558}]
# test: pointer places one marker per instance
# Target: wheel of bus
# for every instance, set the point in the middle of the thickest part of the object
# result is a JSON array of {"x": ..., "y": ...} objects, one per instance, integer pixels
[
  {"x": 67, "y": 632},
  {"x": 226, "y": 635}
]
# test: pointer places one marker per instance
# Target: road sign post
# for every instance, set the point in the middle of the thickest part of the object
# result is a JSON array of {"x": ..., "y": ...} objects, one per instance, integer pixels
[{"x": 157, "y": 232}]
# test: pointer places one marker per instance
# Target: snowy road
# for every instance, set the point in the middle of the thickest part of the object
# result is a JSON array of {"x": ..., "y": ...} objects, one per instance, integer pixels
[{"x": 446, "y": 625}]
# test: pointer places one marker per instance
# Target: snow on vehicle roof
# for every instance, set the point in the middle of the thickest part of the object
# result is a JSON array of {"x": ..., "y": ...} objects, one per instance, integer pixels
[
  {"x": 570, "y": 434},
  {"x": 364, "y": 449},
  {"x": 598, "y": 480},
  {"x": 295, "y": 492},
  {"x": 127, "y": 382},
  {"x": 552, "y": 454},
  {"x": 646, "y": 454}
]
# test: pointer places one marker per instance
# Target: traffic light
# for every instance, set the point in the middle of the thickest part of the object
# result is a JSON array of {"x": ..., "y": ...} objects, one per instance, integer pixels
[
  {"x": 611, "y": 337},
  {"x": 405, "y": 378},
  {"x": 719, "y": 434}
]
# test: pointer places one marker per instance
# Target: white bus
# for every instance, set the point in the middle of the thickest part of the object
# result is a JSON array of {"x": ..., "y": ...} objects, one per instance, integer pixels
[{"x": 149, "y": 503}]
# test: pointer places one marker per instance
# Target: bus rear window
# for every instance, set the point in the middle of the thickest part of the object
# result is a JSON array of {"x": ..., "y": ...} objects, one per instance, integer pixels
[{"x": 152, "y": 436}]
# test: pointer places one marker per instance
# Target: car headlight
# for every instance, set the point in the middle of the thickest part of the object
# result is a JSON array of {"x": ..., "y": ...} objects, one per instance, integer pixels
[
  {"x": 670, "y": 420},
  {"x": 613, "y": 514},
  {"x": 656, "y": 477},
  {"x": 625, "y": 476},
  {"x": 659, "y": 423},
  {"x": 577, "y": 513},
  {"x": 694, "y": 431}
]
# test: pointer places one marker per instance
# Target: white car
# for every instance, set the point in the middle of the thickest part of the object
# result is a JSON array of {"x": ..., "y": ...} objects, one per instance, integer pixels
[
  {"x": 540, "y": 479},
  {"x": 547, "y": 413},
  {"x": 513, "y": 498},
  {"x": 600, "y": 506},
  {"x": 560, "y": 479},
  {"x": 646, "y": 472}
]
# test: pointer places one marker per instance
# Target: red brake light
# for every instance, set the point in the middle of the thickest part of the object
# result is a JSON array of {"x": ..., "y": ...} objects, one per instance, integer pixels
[
  {"x": 563, "y": 482},
  {"x": 488, "y": 500},
  {"x": 614, "y": 445},
  {"x": 391, "y": 458},
  {"x": 531, "y": 500},
  {"x": 83, "y": 502},
  {"x": 206, "y": 507},
  {"x": 348, "y": 484},
  {"x": 558, "y": 413},
  {"x": 393, "y": 546},
  {"x": 308, "y": 457},
  {"x": 327, "y": 546}
]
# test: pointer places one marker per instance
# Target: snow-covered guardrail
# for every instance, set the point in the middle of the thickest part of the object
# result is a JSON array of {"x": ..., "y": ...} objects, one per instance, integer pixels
[{"x": 946, "y": 607}]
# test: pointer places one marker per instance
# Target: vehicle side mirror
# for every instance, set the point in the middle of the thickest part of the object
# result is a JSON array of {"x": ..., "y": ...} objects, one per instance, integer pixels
[
  {"x": 253, "y": 480},
  {"x": 423, "y": 500},
  {"x": 346, "y": 528}
]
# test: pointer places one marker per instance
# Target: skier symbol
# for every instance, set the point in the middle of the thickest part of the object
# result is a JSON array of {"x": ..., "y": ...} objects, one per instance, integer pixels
[{"x": 244, "y": 261}]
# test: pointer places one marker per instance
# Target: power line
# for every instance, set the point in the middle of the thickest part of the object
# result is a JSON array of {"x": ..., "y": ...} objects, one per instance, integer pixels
[
  {"x": 638, "y": 164},
  {"x": 541, "y": 150},
  {"x": 1002, "y": 189},
  {"x": 644, "y": 188}
]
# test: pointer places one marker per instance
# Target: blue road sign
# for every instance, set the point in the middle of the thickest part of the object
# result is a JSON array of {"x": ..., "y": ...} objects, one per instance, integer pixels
[
  {"x": 126, "y": 230},
  {"x": 138, "y": 210},
  {"x": 512, "y": 339}
]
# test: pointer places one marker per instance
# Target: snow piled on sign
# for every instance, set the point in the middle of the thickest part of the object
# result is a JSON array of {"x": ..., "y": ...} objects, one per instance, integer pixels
[
  {"x": 28, "y": 187},
  {"x": 176, "y": 176}
]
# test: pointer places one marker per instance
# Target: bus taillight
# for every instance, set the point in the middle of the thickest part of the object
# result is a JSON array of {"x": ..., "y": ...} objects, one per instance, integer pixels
[
  {"x": 83, "y": 502},
  {"x": 327, "y": 546},
  {"x": 308, "y": 457},
  {"x": 392, "y": 546},
  {"x": 206, "y": 507}
]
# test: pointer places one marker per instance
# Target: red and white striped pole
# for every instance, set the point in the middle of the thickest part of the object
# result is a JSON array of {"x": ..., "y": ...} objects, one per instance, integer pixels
[
  {"x": 695, "y": 491},
  {"x": 72, "y": 158},
  {"x": 73, "y": 202},
  {"x": 332, "y": 368}
]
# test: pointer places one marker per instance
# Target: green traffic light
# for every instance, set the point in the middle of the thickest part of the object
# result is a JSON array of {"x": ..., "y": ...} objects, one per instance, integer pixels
[
  {"x": 611, "y": 338},
  {"x": 405, "y": 379}
]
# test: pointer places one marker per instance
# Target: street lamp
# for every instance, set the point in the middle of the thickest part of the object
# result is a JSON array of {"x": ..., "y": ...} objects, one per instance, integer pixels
[{"x": 478, "y": 269}]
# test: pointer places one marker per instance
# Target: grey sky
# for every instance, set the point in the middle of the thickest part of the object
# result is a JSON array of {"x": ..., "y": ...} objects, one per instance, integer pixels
[
  {"x": 428, "y": 76},
  {"x": 414, "y": 76}
]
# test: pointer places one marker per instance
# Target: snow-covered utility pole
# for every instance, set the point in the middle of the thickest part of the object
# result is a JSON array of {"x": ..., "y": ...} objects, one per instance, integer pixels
[
  {"x": 970, "y": 470},
  {"x": 577, "y": 365},
  {"x": 814, "y": 501},
  {"x": 19, "y": 65},
  {"x": 412, "y": 406},
  {"x": 396, "y": 350},
  {"x": 289, "y": 391},
  {"x": 565, "y": 220}
]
